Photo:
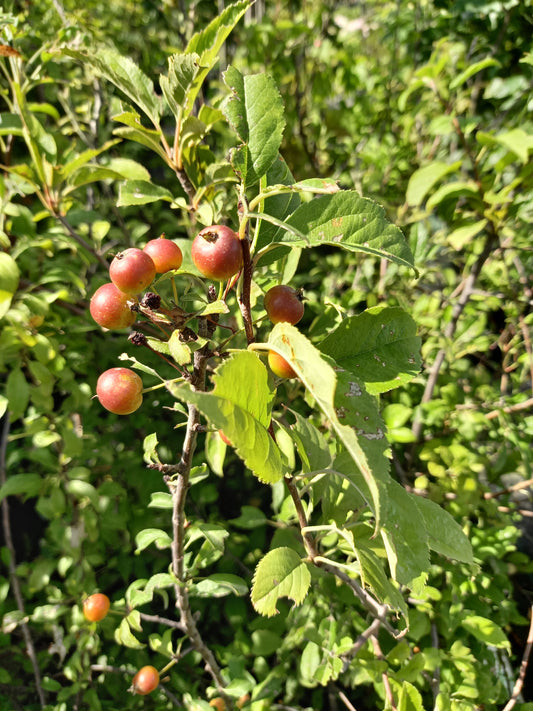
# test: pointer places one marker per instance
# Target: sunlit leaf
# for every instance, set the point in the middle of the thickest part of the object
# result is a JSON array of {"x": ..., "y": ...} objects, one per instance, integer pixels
[{"x": 280, "y": 573}]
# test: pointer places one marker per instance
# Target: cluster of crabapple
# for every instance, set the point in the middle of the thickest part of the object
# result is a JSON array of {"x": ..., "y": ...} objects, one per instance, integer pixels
[
  {"x": 217, "y": 254},
  {"x": 95, "y": 608}
]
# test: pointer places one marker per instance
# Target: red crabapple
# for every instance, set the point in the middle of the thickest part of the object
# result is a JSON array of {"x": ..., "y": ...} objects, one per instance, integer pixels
[
  {"x": 96, "y": 607},
  {"x": 110, "y": 307},
  {"x": 132, "y": 270},
  {"x": 217, "y": 253},
  {"x": 120, "y": 390},
  {"x": 283, "y": 303},
  {"x": 279, "y": 366},
  {"x": 165, "y": 254},
  {"x": 145, "y": 681}
]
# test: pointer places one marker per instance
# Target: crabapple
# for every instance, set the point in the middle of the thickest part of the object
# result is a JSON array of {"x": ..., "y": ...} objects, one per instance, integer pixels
[
  {"x": 217, "y": 253},
  {"x": 283, "y": 303},
  {"x": 132, "y": 270},
  {"x": 110, "y": 307},
  {"x": 120, "y": 390},
  {"x": 165, "y": 254},
  {"x": 96, "y": 607},
  {"x": 145, "y": 681},
  {"x": 279, "y": 366}
]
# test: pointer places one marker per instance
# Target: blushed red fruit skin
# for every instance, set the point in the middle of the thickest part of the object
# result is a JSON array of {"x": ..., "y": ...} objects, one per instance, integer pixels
[
  {"x": 165, "y": 254},
  {"x": 96, "y": 607},
  {"x": 279, "y": 366},
  {"x": 132, "y": 270},
  {"x": 282, "y": 303},
  {"x": 109, "y": 307},
  {"x": 224, "y": 438},
  {"x": 120, "y": 390},
  {"x": 145, "y": 681},
  {"x": 217, "y": 253}
]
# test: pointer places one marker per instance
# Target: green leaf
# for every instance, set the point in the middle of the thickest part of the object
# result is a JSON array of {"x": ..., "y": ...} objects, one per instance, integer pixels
[
  {"x": 311, "y": 444},
  {"x": 379, "y": 346},
  {"x": 374, "y": 575},
  {"x": 9, "y": 281},
  {"x": 208, "y": 42},
  {"x": 255, "y": 111},
  {"x": 351, "y": 222},
  {"x": 250, "y": 517},
  {"x": 125, "y": 75},
  {"x": 71, "y": 166},
  {"x": 152, "y": 535},
  {"x": 280, "y": 573},
  {"x": 10, "y": 125},
  {"x": 124, "y": 636},
  {"x": 278, "y": 206},
  {"x": 26, "y": 485},
  {"x": 422, "y": 180},
  {"x": 445, "y": 536},
  {"x": 318, "y": 376},
  {"x": 486, "y": 631},
  {"x": 404, "y": 535},
  {"x": 472, "y": 70},
  {"x": 456, "y": 189},
  {"x": 460, "y": 237},
  {"x": 182, "y": 70},
  {"x": 219, "y": 585},
  {"x": 517, "y": 141},
  {"x": 409, "y": 698},
  {"x": 160, "y": 500},
  {"x": 17, "y": 392},
  {"x": 141, "y": 192},
  {"x": 240, "y": 405}
]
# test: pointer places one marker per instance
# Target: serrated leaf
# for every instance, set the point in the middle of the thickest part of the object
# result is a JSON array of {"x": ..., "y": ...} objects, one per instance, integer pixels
[
  {"x": 280, "y": 573},
  {"x": 348, "y": 221},
  {"x": 317, "y": 374},
  {"x": 486, "y": 631},
  {"x": 255, "y": 110},
  {"x": 311, "y": 444},
  {"x": 240, "y": 405},
  {"x": 404, "y": 535},
  {"x": 219, "y": 585},
  {"x": 445, "y": 535},
  {"x": 152, "y": 535},
  {"x": 422, "y": 180},
  {"x": 150, "y": 443},
  {"x": 207, "y": 44},
  {"x": 141, "y": 192},
  {"x": 125, "y": 75},
  {"x": 182, "y": 70},
  {"x": 278, "y": 206},
  {"x": 25, "y": 485},
  {"x": 374, "y": 575},
  {"x": 379, "y": 346}
]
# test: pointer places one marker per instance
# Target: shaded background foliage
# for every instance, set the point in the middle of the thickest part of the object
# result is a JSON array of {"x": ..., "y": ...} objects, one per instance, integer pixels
[{"x": 371, "y": 96}]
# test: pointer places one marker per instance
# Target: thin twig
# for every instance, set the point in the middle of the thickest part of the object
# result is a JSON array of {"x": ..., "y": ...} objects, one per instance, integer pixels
[
  {"x": 12, "y": 565},
  {"x": 360, "y": 642},
  {"x": 517, "y": 690},
  {"x": 384, "y": 676}
]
